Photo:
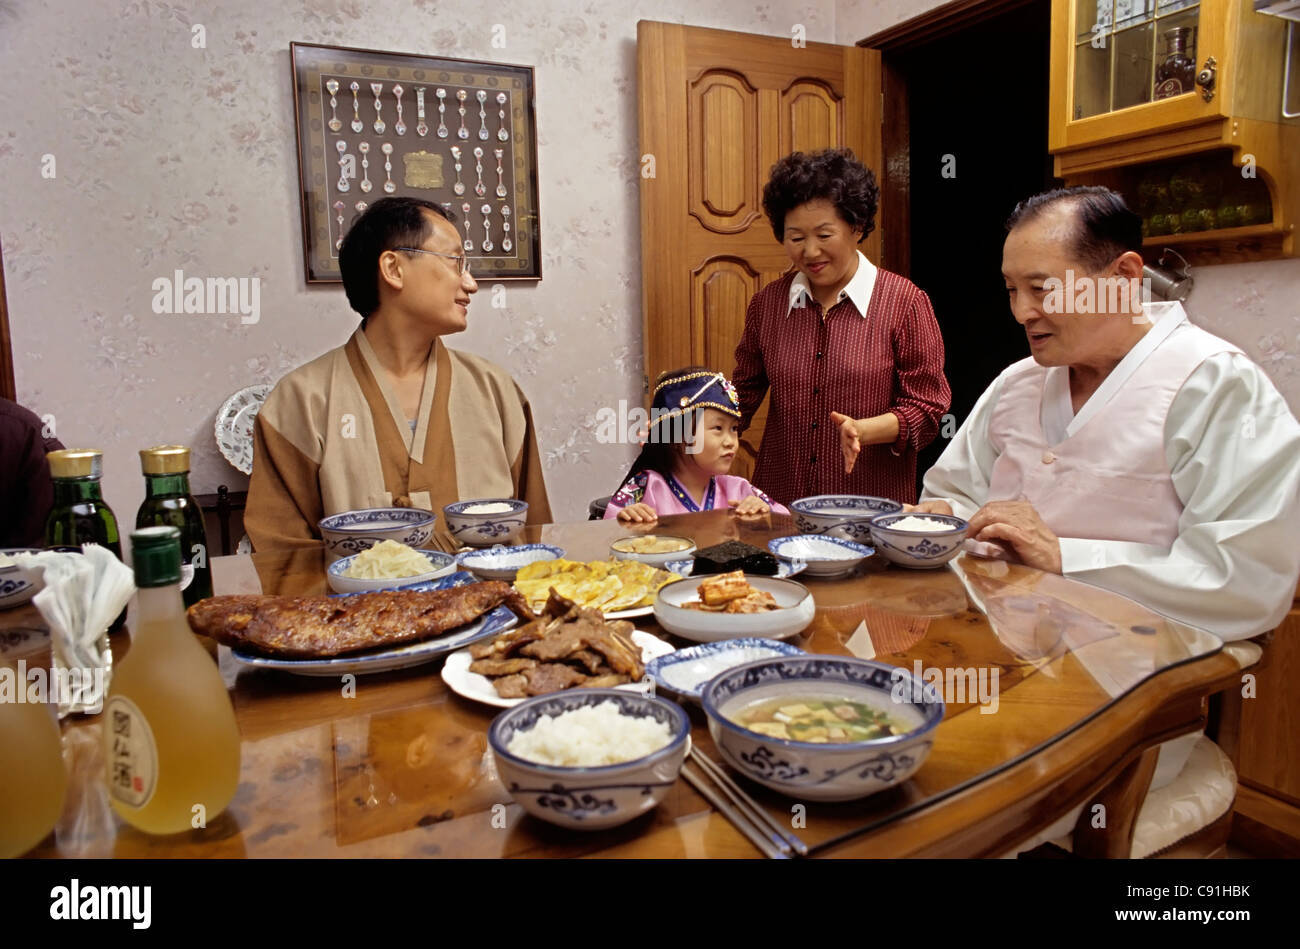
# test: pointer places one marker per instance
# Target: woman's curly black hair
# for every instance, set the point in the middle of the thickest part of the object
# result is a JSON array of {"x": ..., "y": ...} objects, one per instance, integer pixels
[{"x": 834, "y": 174}]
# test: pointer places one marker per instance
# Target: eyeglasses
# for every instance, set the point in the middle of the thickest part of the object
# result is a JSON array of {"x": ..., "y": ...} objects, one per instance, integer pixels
[{"x": 462, "y": 262}]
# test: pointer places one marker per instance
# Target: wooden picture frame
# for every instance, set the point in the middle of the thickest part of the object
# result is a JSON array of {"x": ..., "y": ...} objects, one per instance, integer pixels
[
  {"x": 419, "y": 165},
  {"x": 8, "y": 388}
]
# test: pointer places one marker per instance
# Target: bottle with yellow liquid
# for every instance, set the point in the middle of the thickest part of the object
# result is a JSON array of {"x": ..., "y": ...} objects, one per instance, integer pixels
[
  {"x": 33, "y": 781},
  {"x": 171, "y": 744}
]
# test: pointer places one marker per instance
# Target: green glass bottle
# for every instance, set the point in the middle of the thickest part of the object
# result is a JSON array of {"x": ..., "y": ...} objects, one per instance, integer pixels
[
  {"x": 79, "y": 515},
  {"x": 168, "y": 503}
]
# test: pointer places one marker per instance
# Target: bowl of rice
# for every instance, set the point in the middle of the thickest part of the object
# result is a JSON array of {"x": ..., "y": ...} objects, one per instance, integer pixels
[
  {"x": 919, "y": 541},
  {"x": 386, "y": 565},
  {"x": 486, "y": 522},
  {"x": 589, "y": 759}
]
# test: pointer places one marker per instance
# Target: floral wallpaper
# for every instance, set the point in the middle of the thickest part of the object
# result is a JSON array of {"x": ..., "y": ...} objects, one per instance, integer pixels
[
  {"x": 169, "y": 131},
  {"x": 144, "y": 137}
]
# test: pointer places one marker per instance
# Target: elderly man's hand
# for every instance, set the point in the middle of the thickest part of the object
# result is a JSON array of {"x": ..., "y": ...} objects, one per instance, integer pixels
[{"x": 1018, "y": 525}]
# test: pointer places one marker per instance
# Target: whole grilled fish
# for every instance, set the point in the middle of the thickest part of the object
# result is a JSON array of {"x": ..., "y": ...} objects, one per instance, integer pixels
[{"x": 314, "y": 626}]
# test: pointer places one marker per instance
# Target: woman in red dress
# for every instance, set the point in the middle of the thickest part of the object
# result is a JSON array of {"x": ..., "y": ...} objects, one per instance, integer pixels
[{"x": 852, "y": 354}]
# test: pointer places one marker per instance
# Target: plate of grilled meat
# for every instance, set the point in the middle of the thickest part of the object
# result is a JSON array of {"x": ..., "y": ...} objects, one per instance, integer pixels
[
  {"x": 363, "y": 632},
  {"x": 568, "y": 646}
]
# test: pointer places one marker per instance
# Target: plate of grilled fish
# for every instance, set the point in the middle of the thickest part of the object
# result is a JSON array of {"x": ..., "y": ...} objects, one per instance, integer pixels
[
  {"x": 363, "y": 632},
  {"x": 568, "y": 646}
]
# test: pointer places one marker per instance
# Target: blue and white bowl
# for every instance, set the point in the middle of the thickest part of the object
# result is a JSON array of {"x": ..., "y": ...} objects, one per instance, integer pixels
[
  {"x": 683, "y": 673},
  {"x": 19, "y": 585},
  {"x": 440, "y": 565},
  {"x": 502, "y": 563},
  {"x": 841, "y": 515},
  {"x": 486, "y": 530},
  {"x": 816, "y": 771},
  {"x": 685, "y": 547},
  {"x": 590, "y": 798},
  {"x": 354, "y": 531},
  {"x": 825, "y": 556},
  {"x": 920, "y": 550}
]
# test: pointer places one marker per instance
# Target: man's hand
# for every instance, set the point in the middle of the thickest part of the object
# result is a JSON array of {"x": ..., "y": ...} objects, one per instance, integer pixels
[
  {"x": 752, "y": 506},
  {"x": 850, "y": 442},
  {"x": 928, "y": 507},
  {"x": 1018, "y": 525},
  {"x": 639, "y": 513}
]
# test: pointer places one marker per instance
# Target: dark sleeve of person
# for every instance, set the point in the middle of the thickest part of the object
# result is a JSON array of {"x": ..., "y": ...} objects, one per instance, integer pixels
[{"x": 26, "y": 493}]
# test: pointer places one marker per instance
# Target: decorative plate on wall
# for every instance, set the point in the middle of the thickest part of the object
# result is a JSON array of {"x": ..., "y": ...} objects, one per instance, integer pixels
[{"x": 234, "y": 426}]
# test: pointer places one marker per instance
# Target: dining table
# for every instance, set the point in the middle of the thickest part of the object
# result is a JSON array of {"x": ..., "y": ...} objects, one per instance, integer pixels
[{"x": 1083, "y": 684}]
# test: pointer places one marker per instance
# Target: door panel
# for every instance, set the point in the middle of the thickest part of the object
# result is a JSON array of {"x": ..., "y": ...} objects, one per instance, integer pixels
[{"x": 717, "y": 109}]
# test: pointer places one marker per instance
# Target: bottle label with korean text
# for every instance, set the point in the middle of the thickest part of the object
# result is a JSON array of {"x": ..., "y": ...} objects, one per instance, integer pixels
[{"x": 132, "y": 754}]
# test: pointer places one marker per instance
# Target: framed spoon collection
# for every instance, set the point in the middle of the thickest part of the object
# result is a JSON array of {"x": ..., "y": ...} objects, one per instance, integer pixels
[{"x": 456, "y": 132}]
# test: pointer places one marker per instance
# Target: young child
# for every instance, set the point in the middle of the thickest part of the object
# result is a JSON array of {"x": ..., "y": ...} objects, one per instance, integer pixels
[{"x": 693, "y": 436}]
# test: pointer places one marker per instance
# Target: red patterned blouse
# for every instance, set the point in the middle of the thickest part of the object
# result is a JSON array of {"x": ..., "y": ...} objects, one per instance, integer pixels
[{"x": 889, "y": 361}]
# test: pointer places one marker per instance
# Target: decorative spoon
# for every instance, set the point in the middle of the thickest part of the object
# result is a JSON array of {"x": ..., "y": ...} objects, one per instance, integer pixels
[
  {"x": 399, "y": 126},
  {"x": 357, "y": 124},
  {"x": 502, "y": 134},
  {"x": 334, "y": 124}
]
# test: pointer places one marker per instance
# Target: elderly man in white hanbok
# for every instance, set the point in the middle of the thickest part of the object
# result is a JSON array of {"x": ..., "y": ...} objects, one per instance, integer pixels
[{"x": 1133, "y": 450}]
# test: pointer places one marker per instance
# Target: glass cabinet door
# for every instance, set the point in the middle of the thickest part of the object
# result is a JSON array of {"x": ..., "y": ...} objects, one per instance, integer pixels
[{"x": 1127, "y": 52}]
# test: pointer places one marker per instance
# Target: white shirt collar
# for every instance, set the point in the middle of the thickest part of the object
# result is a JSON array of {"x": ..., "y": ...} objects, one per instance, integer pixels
[{"x": 858, "y": 290}]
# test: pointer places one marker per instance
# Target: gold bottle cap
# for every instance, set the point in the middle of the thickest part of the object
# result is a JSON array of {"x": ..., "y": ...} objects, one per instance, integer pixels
[
  {"x": 76, "y": 463},
  {"x": 165, "y": 459}
]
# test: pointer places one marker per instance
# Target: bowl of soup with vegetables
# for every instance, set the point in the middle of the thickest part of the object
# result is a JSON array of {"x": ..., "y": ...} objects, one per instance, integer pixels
[{"x": 822, "y": 728}]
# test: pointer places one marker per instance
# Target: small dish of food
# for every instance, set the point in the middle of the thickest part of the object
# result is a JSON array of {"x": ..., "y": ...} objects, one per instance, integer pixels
[
  {"x": 822, "y": 728},
  {"x": 354, "y": 531},
  {"x": 784, "y": 568},
  {"x": 733, "y": 606},
  {"x": 487, "y": 521},
  {"x": 919, "y": 541},
  {"x": 825, "y": 556},
  {"x": 654, "y": 549},
  {"x": 503, "y": 563},
  {"x": 841, "y": 515},
  {"x": 385, "y": 566},
  {"x": 733, "y": 555},
  {"x": 589, "y": 759},
  {"x": 683, "y": 673}
]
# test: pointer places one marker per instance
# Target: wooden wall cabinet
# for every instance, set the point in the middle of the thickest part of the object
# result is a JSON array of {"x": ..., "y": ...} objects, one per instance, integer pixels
[{"x": 1113, "y": 105}]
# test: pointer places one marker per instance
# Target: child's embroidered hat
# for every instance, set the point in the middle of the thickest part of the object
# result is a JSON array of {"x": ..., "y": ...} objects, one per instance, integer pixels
[{"x": 679, "y": 394}]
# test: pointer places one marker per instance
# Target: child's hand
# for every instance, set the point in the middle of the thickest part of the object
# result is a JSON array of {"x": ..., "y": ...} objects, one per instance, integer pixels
[
  {"x": 751, "y": 506},
  {"x": 639, "y": 513}
]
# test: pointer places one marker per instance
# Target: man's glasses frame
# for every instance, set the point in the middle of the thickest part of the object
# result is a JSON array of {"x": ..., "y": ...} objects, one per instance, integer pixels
[{"x": 462, "y": 262}]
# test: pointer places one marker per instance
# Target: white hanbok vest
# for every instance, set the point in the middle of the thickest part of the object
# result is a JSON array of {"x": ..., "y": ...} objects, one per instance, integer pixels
[{"x": 1109, "y": 478}]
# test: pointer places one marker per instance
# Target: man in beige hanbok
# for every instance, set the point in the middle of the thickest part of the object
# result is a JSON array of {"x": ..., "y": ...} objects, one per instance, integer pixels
[{"x": 393, "y": 418}]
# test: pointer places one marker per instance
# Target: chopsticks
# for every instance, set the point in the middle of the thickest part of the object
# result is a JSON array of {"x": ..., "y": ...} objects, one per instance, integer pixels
[{"x": 743, "y": 811}]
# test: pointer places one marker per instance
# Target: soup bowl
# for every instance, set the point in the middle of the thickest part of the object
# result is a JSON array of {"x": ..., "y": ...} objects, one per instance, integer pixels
[
  {"x": 354, "y": 531},
  {"x": 847, "y": 516},
  {"x": 919, "y": 550},
  {"x": 597, "y": 797},
  {"x": 482, "y": 529},
  {"x": 824, "y": 771}
]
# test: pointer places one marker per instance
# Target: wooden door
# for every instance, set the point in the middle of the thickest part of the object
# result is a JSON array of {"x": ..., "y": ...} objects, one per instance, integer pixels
[{"x": 717, "y": 109}]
